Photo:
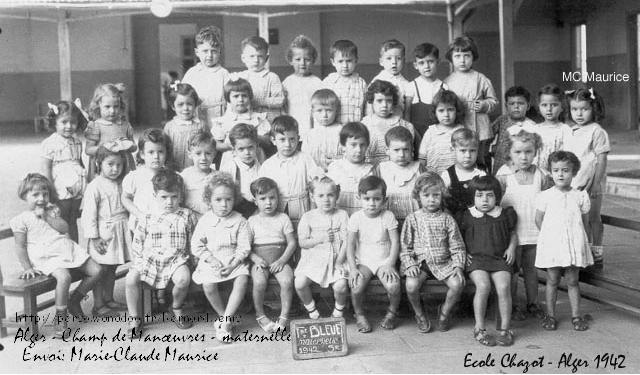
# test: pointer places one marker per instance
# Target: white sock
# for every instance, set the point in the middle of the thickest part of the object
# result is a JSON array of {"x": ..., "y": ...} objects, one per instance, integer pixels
[
  {"x": 311, "y": 309},
  {"x": 338, "y": 311}
]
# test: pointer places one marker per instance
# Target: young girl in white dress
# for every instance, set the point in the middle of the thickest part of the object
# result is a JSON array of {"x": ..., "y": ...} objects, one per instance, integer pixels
[
  {"x": 322, "y": 235},
  {"x": 104, "y": 221},
  {"x": 222, "y": 244},
  {"x": 322, "y": 142},
  {"x": 43, "y": 247},
  {"x": 563, "y": 246}
]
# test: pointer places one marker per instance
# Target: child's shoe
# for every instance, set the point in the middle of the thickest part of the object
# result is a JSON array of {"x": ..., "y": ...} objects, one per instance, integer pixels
[
  {"x": 60, "y": 323},
  {"x": 74, "y": 305},
  {"x": 444, "y": 323},
  {"x": 362, "y": 323},
  {"x": 483, "y": 337},
  {"x": 390, "y": 320},
  {"x": 424, "y": 324},
  {"x": 266, "y": 324},
  {"x": 505, "y": 337},
  {"x": 282, "y": 324},
  {"x": 337, "y": 312}
]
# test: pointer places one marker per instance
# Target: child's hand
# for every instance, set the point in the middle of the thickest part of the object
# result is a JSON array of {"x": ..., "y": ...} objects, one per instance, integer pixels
[
  {"x": 215, "y": 263},
  {"x": 330, "y": 235},
  {"x": 30, "y": 274},
  {"x": 389, "y": 274},
  {"x": 355, "y": 279},
  {"x": 226, "y": 270},
  {"x": 510, "y": 255},
  {"x": 477, "y": 106},
  {"x": 458, "y": 273},
  {"x": 413, "y": 271},
  {"x": 277, "y": 266},
  {"x": 594, "y": 191},
  {"x": 100, "y": 245}
]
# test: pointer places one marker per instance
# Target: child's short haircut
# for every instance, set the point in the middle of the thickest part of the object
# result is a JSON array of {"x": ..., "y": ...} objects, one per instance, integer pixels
[
  {"x": 426, "y": 181},
  {"x": 35, "y": 180},
  {"x": 449, "y": 97},
  {"x": 381, "y": 87},
  {"x": 346, "y": 48},
  {"x": 116, "y": 90},
  {"x": 263, "y": 185},
  {"x": 168, "y": 180},
  {"x": 354, "y": 130},
  {"x": 183, "y": 89},
  {"x": 398, "y": 133},
  {"x": 238, "y": 85},
  {"x": 326, "y": 97},
  {"x": 590, "y": 96},
  {"x": 463, "y": 44},
  {"x": 199, "y": 138},
  {"x": 323, "y": 180},
  {"x": 216, "y": 180},
  {"x": 211, "y": 35},
  {"x": 486, "y": 183},
  {"x": 565, "y": 156},
  {"x": 391, "y": 44},
  {"x": 553, "y": 89},
  {"x": 104, "y": 152},
  {"x": 524, "y": 136},
  {"x": 282, "y": 124},
  {"x": 514, "y": 91},
  {"x": 243, "y": 131},
  {"x": 464, "y": 137},
  {"x": 372, "y": 183},
  {"x": 304, "y": 43},
  {"x": 426, "y": 49},
  {"x": 154, "y": 135},
  {"x": 256, "y": 42},
  {"x": 65, "y": 108}
]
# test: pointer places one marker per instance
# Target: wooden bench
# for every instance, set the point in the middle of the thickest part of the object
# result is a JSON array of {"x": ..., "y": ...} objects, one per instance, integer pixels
[{"x": 28, "y": 291}]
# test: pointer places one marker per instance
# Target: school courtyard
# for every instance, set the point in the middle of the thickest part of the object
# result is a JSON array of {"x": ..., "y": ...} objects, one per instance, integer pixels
[{"x": 612, "y": 333}]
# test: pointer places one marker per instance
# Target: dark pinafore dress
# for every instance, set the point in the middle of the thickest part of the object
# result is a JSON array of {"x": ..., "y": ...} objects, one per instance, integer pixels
[
  {"x": 421, "y": 114},
  {"x": 460, "y": 195}
]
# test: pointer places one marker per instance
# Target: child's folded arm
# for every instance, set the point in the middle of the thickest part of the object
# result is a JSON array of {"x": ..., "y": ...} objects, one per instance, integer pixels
[{"x": 275, "y": 98}]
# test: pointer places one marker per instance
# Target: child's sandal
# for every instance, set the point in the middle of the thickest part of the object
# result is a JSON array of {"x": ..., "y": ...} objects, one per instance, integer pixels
[
  {"x": 282, "y": 324},
  {"x": 182, "y": 321},
  {"x": 337, "y": 313},
  {"x": 424, "y": 324},
  {"x": 101, "y": 311},
  {"x": 505, "y": 337},
  {"x": 579, "y": 323},
  {"x": 549, "y": 323},
  {"x": 362, "y": 323},
  {"x": 313, "y": 314},
  {"x": 114, "y": 305},
  {"x": 444, "y": 324},
  {"x": 390, "y": 320},
  {"x": 483, "y": 337},
  {"x": 268, "y": 327}
]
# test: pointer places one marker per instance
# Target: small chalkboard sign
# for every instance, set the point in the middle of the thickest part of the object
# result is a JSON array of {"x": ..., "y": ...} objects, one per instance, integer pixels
[{"x": 319, "y": 338}]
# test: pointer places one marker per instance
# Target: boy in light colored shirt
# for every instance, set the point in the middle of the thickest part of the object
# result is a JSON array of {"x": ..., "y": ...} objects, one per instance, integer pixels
[
  {"x": 345, "y": 82},
  {"x": 392, "y": 61},
  {"x": 268, "y": 95},
  {"x": 208, "y": 77}
]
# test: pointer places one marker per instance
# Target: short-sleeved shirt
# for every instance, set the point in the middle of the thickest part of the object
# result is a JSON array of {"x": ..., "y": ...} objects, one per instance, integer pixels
[
  {"x": 66, "y": 164},
  {"x": 436, "y": 149},
  {"x": 372, "y": 230},
  {"x": 270, "y": 229},
  {"x": 351, "y": 91}
]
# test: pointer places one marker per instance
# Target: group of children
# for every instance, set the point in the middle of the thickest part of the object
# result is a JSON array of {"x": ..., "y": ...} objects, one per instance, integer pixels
[{"x": 353, "y": 182}]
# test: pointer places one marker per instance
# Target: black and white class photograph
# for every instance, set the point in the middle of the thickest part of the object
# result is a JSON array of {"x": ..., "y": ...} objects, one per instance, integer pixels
[{"x": 320, "y": 186}]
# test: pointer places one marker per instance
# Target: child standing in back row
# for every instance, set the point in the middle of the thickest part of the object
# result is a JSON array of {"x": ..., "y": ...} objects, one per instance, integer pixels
[
  {"x": 345, "y": 82},
  {"x": 208, "y": 77},
  {"x": 424, "y": 88},
  {"x": 476, "y": 92},
  {"x": 300, "y": 86},
  {"x": 392, "y": 61},
  {"x": 553, "y": 131},
  {"x": 268, "y": 96}
]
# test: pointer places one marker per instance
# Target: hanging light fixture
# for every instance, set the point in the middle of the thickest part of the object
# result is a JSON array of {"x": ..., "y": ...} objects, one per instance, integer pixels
[{"x": 161, "y": 8}]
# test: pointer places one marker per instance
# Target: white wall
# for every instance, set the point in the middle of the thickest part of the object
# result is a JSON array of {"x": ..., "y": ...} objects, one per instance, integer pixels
[{"x": 170, "y": 41}]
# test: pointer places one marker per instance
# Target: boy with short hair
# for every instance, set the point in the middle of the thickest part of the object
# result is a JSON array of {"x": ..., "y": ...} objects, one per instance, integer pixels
[
  {"x": 208, "y": 77},
  {"x": 345, "y": 82},
  {"x": 243, "y": 164},
  {"x": 268, "y": 96},
  {"x": 457, "y": 177},
  {"x": 422, "y": 90},
  {"x": 392, "y": 61},
  {"x": 291, "y": 169},
  {"x": 202, "y": 152}
]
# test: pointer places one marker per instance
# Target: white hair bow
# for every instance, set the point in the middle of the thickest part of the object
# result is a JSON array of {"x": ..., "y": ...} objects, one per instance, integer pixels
[{"x": 53, "y": 108}]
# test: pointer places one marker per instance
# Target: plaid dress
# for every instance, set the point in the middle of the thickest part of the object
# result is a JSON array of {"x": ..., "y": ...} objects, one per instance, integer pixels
[{"x": 161, "y": 245}]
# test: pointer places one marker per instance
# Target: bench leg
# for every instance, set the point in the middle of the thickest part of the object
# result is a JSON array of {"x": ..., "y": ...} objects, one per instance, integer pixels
[
  {"x": 31, "y": 312},
  {"x": 3, "y": 316}
]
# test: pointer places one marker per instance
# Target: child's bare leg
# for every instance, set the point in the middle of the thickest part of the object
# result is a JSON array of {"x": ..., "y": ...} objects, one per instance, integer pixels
[
  {"x": 393, "y": 292},
  {"x": 93, "y": 272},
  {"x": 108, "y": 282},
  {"x": 571, "y": 276},
  {"x": 551, "y": 291},
  {"x": 595, "y": 222},
  {"x": 302, "y": 284},
  {"x": 132, "y": 292},
  {"x": 515, "y": 274},
  {"x": 260, "y": 277},
  {"x": 413, "y": 285},
  {"x": 63, "y": 283},
  {"x": 502, "y": 281},
  {"x": 285, "y": 279},
  {"x": 357, "y": 293},
  {"x": 237, "y": 294},
  {"x": 482, "y": 282},
  {"x": 213, "y": 296},
  {"x": 454, "y": 291},
  {"x": 529, "y": 273},
  {"x": 340, "y": 294},
  {"x": 181, "y": 280}
]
